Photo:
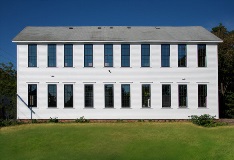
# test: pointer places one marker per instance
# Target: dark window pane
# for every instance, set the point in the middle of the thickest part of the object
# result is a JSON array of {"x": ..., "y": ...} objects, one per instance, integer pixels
[
  {"x": 88, "y": 95},
  {"x": 182, "y": 95},
  {"x": 32, "y": 95},
  {"x": 125, "y": 55},
  {"x": 108, "y": 55},
  {"x": 201, "y": 55},
  {"x": 165, "y": 55},
  {"x": 52, "y": 95},
  {"x": 51, "y": 55},
  {"x": 68, "y": 55},
  {"x": 182, "y": 55},
  {"x": 125, "y": 90},
  {"x": 166, "y": 95},
  {"x": 32, "y": 55},
  {"x": 109, "y": 95},
  {"x": 68, "y": 95},
  {"x": 202, "y": 95},
  {"x": 145, "y": 55},
  {"x": 146, "y": 95},
  {"x": 88, "y": 55}
]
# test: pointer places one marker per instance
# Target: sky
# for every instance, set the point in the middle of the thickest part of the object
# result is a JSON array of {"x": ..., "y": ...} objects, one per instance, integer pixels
[{"x": 15, "y": 15}]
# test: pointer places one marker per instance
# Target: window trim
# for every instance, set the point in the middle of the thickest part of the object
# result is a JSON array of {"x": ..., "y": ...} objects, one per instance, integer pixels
[
  {"x": 35, "y": 56},
  {"x": 129, "y": 96},
  {"x": 72, "y": 96},
  {"x": 145, "y": 56},
  {"x": 112, "y": 56},
  {"x": 149, "y": 96},
  {"x": 88, "y": 55},
  {"x": 48, "y": 96}
]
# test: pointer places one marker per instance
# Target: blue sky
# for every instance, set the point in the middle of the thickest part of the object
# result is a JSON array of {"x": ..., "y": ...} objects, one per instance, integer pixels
[{"x": 17, "y": 14}]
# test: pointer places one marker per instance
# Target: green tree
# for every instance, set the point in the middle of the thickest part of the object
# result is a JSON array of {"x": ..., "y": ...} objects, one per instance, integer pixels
[
  {"x": 7, "y": 91},
  {"x": 226, "y": 70}
]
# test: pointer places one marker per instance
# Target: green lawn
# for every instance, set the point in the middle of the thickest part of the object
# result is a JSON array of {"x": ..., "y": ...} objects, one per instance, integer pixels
[{"x": 139, "y": 140}]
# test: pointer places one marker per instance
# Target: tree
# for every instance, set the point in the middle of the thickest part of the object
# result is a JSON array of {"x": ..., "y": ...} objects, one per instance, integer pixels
[
  {"x": 7, "y": 91},
  {"x": 226, "y": 70}
]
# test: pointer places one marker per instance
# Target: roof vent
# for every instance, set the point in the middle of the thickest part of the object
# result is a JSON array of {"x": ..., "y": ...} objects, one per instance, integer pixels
[
  {"x": 111, "y": 27},
  {"x": 157, "y": 27},
  {"x": 129, "y": 27},
  {"x": 99, "y": 27},
  {"x": 70, "y": 27}
]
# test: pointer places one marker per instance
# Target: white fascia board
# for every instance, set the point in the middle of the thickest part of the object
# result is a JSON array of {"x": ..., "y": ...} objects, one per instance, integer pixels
[{"x": 118, "y": 41}]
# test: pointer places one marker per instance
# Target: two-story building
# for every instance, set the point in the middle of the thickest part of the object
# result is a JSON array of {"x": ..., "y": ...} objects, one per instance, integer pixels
[{"x": 116, "y": 72}]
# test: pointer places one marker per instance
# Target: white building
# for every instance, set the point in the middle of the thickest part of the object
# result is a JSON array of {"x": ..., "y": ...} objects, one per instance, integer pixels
[{"x": 116, "y": 72}]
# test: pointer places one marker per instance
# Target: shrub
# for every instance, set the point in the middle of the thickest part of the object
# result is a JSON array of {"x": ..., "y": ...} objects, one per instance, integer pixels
[
  {"x": 9, "y": 122},
  {"x": 119, "y": 121},
  {"x": 82, "y": 120},
  {"x": 34, "y": 121},
  {"x": 140, "y": 120},
  {"x": 54, "y": 120},
  {"x": 206, "y": 120}
]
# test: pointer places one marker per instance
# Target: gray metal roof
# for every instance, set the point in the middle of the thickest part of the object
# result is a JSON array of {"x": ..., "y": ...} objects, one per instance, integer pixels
[{"x": 116, "y": 33}]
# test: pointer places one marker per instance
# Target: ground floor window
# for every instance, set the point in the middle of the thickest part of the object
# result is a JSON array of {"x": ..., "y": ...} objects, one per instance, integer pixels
[
  {"x": 182, "y": 96},
  {"x": 109, "y": 95},
  {"x": 202, "y": 95},
  {"x": 125, "y": 95},
  {"x": 88, "y": 95},
  {"x": 68, "y": 95},
  {"x": 166, "y": 95},
  {"x": 52, "y": 95},
  {"x": 146, "y": 95},
  {"x": 32, "y": 95}
]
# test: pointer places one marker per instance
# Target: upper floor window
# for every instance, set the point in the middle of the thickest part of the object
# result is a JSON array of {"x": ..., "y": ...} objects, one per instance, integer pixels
[
  {"x": 109, "y": 95},
  {"x": 68, "y": 55},
  {"x": 108, "y": 55},
  {"x": 182, "y": 55},
  {"x": 165, "y": 55},
  {"x": 125, "y": 55},
  {"x": 32, "y": 55},
  {"x": 202, "y": 95},
  {"x": 166, "y": 95},
  {"x": 88, "y": 55},
  {"x": 32, "y": 95},
  {"x": 52, "y": 95},
  {"x": 201, "y": 55},
  {"x": 182, "y": 95},
  {"x": 125, "y": 95},
  {"x": 68, "y": 95},
  {"x": 146, "y": 95},
  {"x": 145, "y": 55},
  {"x": 51, "y": 55}
]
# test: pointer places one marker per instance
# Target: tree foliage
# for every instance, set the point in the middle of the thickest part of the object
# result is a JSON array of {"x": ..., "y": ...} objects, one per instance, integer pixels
[
  {"x": 226, "y": 70},
  {"x": 7, "y": 91}
]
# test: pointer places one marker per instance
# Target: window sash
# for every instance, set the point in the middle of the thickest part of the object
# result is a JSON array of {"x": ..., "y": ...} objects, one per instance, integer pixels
[
  {"x": 88, "y": 95},
  {"x": 166, "y": 95},
  {"x": 145, "y": 55},
  {"x": 165, "y": 55},
  {"x": 109, "y": 95},
  {"x": 52, "y": 95},
  {"x": 88, "y": 55},
  {"x": 125, "y": 55},
  {"x": 32, "y": 95},
  {"x": 68, "y": 95},
  {"x": 108, "y": 55},
  {"x": 32, "y": 55},
  {"x": 202, "y": 95},
  {"x": 182, "y": 96},
  {"x": 146, "y": 95},
  {"x": 182, "y": 55},
  {"x": 68, "y": 55},
  {"x": 125, "y": 96},
  {"x": 201, "y": 55},
  {"x": 51, "y": 55}
]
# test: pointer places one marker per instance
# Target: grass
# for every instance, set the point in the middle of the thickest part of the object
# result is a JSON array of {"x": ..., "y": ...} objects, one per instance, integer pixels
[{"x": 130, "y": 141}]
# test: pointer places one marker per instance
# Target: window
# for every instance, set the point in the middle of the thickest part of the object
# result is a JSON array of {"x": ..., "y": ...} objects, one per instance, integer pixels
[
  {"x": 68, "y": 95},
  {"x": 201, "y": 55},
  {"x": 182, "y": 96},
  {"x": 182, "y": 55},
  {"x": 166, "y": 95},
  {"x": 165, "y": 55},
  {"x": 125, "y": 90},
  {"x": 145, "y": 55},
  {"x": 32, "y": 95},
  {"x": 125, "y": 55},
  {"x": 146, "y": 97},
  {"x": 88, "y": 95},
  {"x": 68, "y": 55},
  {"x": 51, "y": 55},
  {"x": 32, "y": 55},
  {"x": 88, "y": 55},
  {"x": 109, "y": 95},
  {"x": 108, "y": 58},
  {"x": 202, "y": 95},
  {"x": 52, "y": 95}
]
